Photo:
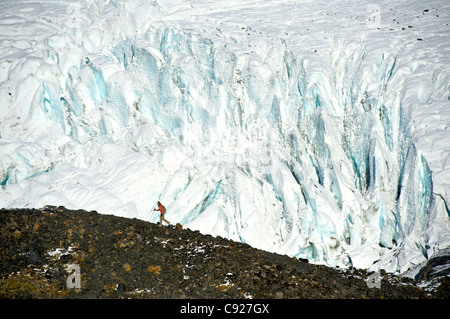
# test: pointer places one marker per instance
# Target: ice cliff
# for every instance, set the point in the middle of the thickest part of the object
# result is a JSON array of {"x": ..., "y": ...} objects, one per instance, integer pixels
[{"x": 313, "y": 145}]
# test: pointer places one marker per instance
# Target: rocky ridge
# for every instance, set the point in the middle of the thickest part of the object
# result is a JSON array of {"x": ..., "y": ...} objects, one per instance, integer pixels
[{"x": 129, "y": 258}]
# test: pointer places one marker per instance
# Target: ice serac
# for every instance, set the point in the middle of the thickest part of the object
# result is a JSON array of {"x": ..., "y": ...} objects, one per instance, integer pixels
[{"x": 238, "y": 134}]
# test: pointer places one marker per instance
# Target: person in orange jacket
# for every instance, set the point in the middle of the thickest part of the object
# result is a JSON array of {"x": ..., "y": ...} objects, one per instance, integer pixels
[{"x": 162, "y": 209}]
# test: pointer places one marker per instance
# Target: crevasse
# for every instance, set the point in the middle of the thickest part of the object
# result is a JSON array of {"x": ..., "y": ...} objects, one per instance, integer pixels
[{"x": 332, "y": 153}]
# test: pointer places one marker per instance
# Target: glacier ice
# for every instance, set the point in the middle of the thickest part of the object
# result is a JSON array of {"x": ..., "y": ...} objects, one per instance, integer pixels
[{"x": 237, "y": 133}]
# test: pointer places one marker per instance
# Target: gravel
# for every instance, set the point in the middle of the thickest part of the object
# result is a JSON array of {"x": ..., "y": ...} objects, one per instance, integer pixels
[{"x": 129, "y": 258}]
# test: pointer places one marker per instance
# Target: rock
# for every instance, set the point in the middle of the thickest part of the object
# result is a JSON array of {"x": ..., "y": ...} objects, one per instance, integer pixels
[
  {"x": 65, "y": 258},
  {"x": 53, "y": 272},
  {"x": 304, "y": 260},
  {"x": 121, "y": 288},
  {"x": 60, "y": 209},
  {"x": 34, "y": 257},
  {"x": 49, "y": 208},
  {"x": 178, "y": 227},
  {"x": 436, "y": 267}
]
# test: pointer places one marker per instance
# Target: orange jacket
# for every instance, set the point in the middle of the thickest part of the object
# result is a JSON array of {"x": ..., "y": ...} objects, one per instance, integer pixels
[{"x": 161, "y": 208}]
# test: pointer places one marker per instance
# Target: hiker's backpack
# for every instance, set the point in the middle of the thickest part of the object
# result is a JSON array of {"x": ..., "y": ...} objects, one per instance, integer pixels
[{"x": 164, "y": 209}]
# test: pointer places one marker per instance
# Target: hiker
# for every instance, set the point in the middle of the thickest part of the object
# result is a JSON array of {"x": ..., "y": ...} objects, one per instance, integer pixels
[{"x": 162, "y": 209}]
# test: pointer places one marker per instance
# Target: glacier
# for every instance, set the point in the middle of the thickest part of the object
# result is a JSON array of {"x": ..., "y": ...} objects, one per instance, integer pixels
[{"x": 298, "y": 127}]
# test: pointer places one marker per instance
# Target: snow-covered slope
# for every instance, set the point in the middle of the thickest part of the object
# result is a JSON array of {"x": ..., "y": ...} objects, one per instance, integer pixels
[{"x": 318, "y": 129}]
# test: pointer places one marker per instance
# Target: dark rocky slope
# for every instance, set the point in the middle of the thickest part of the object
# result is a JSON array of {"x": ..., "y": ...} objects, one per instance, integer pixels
[{"x": 130, "y": 258}]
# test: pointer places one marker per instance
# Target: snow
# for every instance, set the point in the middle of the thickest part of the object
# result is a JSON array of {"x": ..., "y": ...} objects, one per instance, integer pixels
[{"x": 316, "y": 129}]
